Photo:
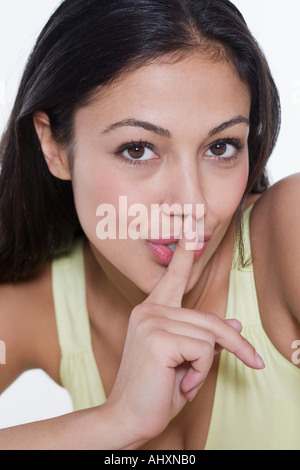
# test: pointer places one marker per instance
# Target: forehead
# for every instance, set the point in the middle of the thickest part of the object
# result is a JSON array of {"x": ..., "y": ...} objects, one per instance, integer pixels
[{"x": 194, "y": 87}]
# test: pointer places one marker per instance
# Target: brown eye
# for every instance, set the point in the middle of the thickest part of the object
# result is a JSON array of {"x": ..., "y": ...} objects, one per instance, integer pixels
[
  {"x": 218, "y": 149},
  {"x": 224, "y": 150},
  {"x": 137, "y": 151}
]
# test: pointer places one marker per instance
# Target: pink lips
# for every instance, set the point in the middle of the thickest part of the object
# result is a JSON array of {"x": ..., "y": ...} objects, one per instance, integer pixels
[{"x": 163, "y": 254}]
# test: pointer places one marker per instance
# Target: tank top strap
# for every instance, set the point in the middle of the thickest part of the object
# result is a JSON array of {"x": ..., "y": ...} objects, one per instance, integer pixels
[
  {"x": 79, "y": 373},
  {"x": 68, "y": 283},
  {"x": 242, "y": 297}
]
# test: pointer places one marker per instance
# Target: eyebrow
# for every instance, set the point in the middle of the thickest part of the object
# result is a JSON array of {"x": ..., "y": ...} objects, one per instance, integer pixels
[
  {"x": 143, "y": 124},
  {"x": 148, "y": 126},
  {"x": 232, "y": 122}
]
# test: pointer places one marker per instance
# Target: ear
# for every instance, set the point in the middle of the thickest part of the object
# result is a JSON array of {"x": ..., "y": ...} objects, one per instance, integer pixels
[{"x": 55, "y": 155}]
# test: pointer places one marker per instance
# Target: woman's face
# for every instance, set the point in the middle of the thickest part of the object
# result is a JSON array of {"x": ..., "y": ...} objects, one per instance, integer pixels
[{"x": 168, "y": 133}]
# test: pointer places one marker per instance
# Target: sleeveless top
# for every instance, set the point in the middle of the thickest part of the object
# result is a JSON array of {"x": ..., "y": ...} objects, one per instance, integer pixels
[{"x": 252, "y": 410}]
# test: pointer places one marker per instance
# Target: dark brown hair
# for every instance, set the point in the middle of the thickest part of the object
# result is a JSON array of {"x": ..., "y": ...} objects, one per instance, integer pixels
[{"x": 87, "y": 44}]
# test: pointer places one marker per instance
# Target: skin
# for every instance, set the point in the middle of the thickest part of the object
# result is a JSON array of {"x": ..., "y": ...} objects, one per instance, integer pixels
[
  {"x": 158, "y": 323},
  {"x": 177, "y": 162}
]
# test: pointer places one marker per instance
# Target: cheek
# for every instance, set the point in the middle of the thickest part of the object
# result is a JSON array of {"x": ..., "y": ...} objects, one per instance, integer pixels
[
  {"x": 238, "y": 186},
  {"x": 227, "y": 198},
  {"x": 91, "y": 190},
  {"x": 103, "y": 198}
]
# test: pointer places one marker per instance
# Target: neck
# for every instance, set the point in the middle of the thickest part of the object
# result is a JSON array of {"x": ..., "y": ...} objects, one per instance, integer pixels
[
  {"x": 212, "y": 286},
  {"x": 106, "y": 272}
]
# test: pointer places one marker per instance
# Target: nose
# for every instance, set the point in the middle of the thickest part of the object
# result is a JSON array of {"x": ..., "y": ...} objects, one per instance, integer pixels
[
  {"x": 184, "y": 192},
  {"x": 184, "y": 195}
]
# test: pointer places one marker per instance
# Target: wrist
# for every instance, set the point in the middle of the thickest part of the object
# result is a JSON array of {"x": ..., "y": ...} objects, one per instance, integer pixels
[{"x": 121, "y": 431}]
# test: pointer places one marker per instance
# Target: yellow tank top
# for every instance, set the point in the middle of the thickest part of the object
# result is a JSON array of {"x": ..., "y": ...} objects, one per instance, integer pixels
[{"x": 252, "y": 409}]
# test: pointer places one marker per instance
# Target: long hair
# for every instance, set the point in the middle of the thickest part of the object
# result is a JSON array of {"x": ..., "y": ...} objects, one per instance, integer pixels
[{"x": 87, "y": 44}]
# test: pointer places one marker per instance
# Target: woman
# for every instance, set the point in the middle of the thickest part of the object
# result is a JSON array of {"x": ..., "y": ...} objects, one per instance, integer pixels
[{"x": 166, "y": 104}]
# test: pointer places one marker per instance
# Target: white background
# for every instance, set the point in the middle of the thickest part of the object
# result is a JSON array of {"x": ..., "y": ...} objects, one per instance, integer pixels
[{"x": 274, "y": 23}]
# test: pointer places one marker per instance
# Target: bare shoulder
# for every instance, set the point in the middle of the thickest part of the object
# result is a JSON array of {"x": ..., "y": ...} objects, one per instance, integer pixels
[
  {"x": 275, "y": 228},
  {"x": 283, "y": 197},
  {"x": 276, "y": 223},
  {"x": 28, "y": 328}
]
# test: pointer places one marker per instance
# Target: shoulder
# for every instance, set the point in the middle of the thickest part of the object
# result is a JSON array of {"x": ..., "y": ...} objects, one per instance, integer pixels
[
  {"x": 282, "y": 198},
  {"x": 275, "y": 226},
  {"x": 28, "y": 328}
]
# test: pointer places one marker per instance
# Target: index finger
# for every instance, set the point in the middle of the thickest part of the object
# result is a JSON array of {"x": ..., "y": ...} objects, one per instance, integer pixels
[{"x": 171, "y": 287}]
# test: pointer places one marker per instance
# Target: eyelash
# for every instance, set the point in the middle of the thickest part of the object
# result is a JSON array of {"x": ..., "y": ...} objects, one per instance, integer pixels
[
  {"x": 234, "y": 143},
  {"x": 130, "y": 146},
  {"x": 138, "y": 162}
]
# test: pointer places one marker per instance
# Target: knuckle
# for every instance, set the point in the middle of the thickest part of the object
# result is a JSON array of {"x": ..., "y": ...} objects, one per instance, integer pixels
[
  {"x": 211, "y": 319},
  {"x": 207, "y": 348},
  {"x": 156, "y": 340},
  {"x": 139, "y": 312},
  {"x": 150, "y": 324},
  {"x": 210, "y": 339},
  {"x": 145, "y": 319}
]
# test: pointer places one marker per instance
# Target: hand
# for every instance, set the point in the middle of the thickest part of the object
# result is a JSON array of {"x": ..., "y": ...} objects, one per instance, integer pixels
[{"x": 169, "y": 351}]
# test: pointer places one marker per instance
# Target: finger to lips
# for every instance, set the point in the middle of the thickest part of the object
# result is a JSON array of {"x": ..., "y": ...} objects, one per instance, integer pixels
[{"x": 171, "y": 287}]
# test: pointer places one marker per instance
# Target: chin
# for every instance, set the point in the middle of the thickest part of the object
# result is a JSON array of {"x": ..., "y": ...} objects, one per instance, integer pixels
[{"x": 148, "y": 277}]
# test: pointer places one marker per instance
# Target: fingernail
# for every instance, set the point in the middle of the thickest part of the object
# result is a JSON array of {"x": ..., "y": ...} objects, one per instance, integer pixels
[{"x": 259, "y": 361}]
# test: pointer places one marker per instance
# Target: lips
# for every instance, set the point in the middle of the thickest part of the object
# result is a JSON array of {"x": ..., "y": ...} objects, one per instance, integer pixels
[{"x": 163, "y": 249}]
